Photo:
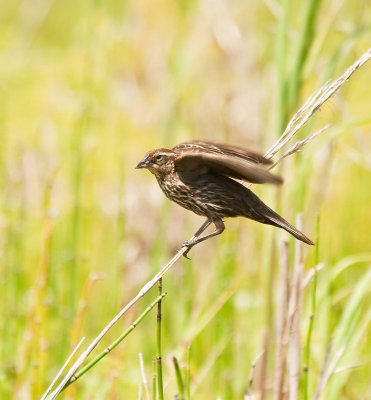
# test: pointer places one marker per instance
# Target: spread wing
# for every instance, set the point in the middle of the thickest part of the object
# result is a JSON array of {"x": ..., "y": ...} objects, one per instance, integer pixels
[
  {"x": 234, "y": 151},
  {"x": 237, "y": 163}
]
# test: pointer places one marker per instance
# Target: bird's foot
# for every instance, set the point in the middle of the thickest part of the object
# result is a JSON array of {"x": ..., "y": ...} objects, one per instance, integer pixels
[{"x": 189, "y": 244}]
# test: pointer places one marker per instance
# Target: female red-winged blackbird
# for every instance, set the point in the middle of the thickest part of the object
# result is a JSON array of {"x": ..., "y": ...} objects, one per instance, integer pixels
[{"x": 197, "y": 176}]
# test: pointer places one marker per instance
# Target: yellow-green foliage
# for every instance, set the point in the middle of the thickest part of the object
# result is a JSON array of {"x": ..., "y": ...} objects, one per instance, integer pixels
[{"x": 86, "y": 88}]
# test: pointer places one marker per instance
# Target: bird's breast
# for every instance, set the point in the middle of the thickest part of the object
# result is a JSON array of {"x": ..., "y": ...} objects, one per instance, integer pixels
[
  {"x": 181, "y": 193},
  {"x": 174, "y": 188},
  {"x": 202, "y": 196}
]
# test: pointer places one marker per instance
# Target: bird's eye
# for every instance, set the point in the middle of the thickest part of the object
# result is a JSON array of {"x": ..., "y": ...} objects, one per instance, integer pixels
[{"x": 159, "y": 157}]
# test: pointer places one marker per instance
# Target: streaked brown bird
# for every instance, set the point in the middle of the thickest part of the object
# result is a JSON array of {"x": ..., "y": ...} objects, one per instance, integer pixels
[{"x": 201, "y": 177}]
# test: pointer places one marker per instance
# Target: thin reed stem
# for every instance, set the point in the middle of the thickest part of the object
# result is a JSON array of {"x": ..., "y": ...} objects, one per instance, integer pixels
[
  {"x": 158, "y": 345},
  {"x": 115, "y": 343},
  {"x": 282, "y": 325},
  {"x": 179, "y": 378},
  {"x": 188, "y": 374},
  {"x": 144, "y": 377},
  {"x": 154, "y": 380},
  {"x": 44, "y": 396},
  {"x": 311, "y": 317},
  {"x": 281, "y": 52},
  {"x": 252, "y": 371},
  {"x": 306, "y": 38},
  {"x": 295, "y": 308}
]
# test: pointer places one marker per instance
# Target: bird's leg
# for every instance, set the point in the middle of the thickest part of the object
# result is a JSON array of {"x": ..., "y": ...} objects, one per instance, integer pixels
[
  {"x": 219, "y": 225},
  {"x": 195, "y": 236},
  {"x": 202, "y": 228}
]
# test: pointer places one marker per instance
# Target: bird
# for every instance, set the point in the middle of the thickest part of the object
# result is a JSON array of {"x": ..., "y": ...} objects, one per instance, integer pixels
[{"x": 204, "y": 177}]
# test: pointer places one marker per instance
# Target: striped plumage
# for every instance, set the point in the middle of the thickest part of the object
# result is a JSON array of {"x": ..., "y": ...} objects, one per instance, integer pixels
[{"x": 200, "y": 176}]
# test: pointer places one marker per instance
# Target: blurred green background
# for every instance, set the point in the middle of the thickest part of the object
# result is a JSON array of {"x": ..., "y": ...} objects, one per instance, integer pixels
[{"x": 86, "y": 88}]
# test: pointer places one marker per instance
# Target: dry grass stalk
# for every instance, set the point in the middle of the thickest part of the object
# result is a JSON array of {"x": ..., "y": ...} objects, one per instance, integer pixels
[
  {"x": 327, "y": 371},
  {"x": 60, "y": 372},
  {"x": 144, "y": 377},
  {"x": 249, "y": 394},
  {"x": 281, "y": 322},
  {"x": 81, "y": 309},
  {"x": 295, "y": 306},
  {"x": 313, "y": 103},
  {"x": 264, "y": 366},
  {"x": 140, "y": 392},
  {"x": 308, "y": 277},
  {"x": 299, "y": 145}
]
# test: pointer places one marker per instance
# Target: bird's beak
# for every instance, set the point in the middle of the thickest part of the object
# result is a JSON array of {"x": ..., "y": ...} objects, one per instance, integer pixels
[{"x": 145, "y": 163}]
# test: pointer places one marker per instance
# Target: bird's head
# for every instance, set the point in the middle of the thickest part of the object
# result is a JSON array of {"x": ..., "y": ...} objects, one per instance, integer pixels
[{"x": 159, "y": 161}]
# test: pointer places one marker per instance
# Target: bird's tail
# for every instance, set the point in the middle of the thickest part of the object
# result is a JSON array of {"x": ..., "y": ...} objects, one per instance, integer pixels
[
  {"x": 277, "y": 220},
  {"x": 257, "y": 210}
]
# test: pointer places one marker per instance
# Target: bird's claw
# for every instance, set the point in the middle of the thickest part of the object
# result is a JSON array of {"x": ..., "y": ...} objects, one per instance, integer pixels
[{"x": 189, "y": 244}]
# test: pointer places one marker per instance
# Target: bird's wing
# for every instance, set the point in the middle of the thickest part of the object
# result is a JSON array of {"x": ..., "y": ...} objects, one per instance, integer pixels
[
  {"x": 196, "y": 159},
  {"x": 225, "y": 149}
]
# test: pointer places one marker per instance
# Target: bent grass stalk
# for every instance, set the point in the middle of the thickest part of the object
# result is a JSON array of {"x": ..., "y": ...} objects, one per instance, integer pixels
[
  {"x": 313, "y": 103},
  {"x": 62, "y": 369},
  {"x": 110, "y": 347},
  {"x": 117, "y": 341}
]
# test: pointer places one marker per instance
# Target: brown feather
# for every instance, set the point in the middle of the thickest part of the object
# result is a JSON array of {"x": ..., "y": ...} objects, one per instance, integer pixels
[
  {"x": 224, "y": 149},
  {"x": 202, "y": 160}
]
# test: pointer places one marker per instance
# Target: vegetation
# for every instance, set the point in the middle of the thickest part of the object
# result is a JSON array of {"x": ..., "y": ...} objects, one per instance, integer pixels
[{"x": 86, "y": 89}]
